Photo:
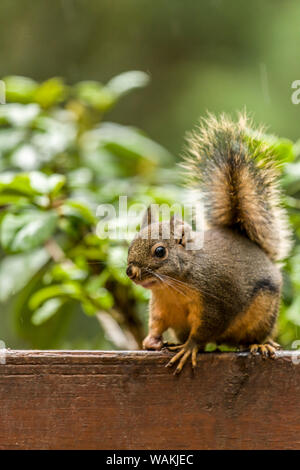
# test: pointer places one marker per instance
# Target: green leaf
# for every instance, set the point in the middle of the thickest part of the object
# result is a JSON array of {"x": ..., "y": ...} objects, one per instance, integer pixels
[
  {"x": 95, "y": 94},
  {"x": 50, "y": 92},
  {"x": 15, "y": 199},
  {"x": 128, "y": 81},
  {"x": 27, "y": 230},
  {"x": 291, "y": 178},
  {"x": 78, "y": 210},
  {"x": 44, "y": 184},
  {"x": 68, "y": 272},
  {"x": 69, "y": 290},
  {"x": 80, "y": 177},
  {"x": 17, "y": 270},
  {"x": 284, "y": 150},
  {"x": 20, "y": 89},
  {"x": 89, "y": 309},
  {"x": 129, "y": 143},
  {"x": 293, "y": 311},
  {"x": 56, "y": 133},
  {"x": 96, "y": 282},
  {"x": 25, "y": 157},
  {"x": 46, "y": 311},
  {"x": 16, "y": 182},
  {"x": 10, "y": 138},
  {"x": 31, "y": 183},
  {"x": 19, "y": 115},
  {"x": 103, "y": 299}
]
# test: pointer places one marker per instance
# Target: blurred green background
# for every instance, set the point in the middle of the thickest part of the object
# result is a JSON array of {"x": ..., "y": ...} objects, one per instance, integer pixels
[{"x": 70, "y": 143}]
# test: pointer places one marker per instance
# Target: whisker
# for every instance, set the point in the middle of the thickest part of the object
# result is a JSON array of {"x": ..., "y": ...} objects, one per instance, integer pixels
[
  {"x": 178, "y": 290},
  {"x": 205, "y": 291},
  {"x": 161, "y": 277}
]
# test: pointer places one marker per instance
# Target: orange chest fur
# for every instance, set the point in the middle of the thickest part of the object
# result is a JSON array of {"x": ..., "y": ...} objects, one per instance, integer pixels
[{"x": 176, "y": 309}]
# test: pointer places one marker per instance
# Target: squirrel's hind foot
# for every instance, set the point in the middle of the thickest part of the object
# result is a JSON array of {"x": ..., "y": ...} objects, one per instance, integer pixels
[
  {"x": 186, "y": 350},
  {"x": 266, "y": 349},
  {"x": 274, "y": 344}
]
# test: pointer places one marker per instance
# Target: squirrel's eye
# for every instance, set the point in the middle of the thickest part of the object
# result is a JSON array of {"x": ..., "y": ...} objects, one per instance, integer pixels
[{"x": 160, "y": 251}]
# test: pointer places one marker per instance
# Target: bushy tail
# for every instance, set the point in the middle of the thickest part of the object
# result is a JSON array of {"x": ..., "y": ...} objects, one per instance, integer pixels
[{"x": 239, "y": 182}]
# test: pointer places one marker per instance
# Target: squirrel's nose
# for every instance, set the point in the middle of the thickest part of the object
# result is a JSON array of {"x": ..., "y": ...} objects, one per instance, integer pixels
[
  {"x": 133, "y": 272},
  {"x": 129, "y": 272}
]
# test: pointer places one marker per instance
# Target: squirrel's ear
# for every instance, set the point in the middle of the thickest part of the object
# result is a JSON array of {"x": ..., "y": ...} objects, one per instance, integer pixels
[
  {"x": 182, "y": 231},
  {"x": 150, "y": 216}
]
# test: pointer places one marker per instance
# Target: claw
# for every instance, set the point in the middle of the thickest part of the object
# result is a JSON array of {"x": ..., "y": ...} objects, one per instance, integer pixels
[
  {"x": 175, "y": 358},
  {"x": 194, "y": 357},
  {"x": 185, "y": 351},
  {"x": 274, "y": 344},
  {"x": 264, "y": 349},
  {"x": 175, "y": 347}
]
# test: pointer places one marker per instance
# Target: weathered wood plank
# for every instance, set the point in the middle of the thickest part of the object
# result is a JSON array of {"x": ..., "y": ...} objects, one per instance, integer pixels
[{"x": 129, "y": 400}]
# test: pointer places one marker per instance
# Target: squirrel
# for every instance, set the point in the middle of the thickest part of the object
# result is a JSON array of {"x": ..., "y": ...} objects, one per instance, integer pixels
[{"x": 228, "y": 292}]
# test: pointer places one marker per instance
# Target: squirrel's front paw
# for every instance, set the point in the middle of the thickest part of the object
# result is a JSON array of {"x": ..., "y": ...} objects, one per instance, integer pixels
[
  {"x": 154, "y": 343},
  {"x": 190, "y": 348}
]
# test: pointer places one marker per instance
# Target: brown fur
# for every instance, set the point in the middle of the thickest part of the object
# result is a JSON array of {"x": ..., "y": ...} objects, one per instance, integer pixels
[
  {"x": 238, "y": 177},
  {"x": 229, "y": 291},
  {"x": 172, "y": 309},
  {"x": 251, "y": 325}
]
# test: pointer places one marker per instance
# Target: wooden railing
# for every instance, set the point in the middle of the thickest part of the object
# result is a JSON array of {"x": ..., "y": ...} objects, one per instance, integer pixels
[{"x": 129, "y": 400}]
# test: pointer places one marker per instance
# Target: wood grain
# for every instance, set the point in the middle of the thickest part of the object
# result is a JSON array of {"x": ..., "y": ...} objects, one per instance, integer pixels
[{"x": 129, "y": 400}]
